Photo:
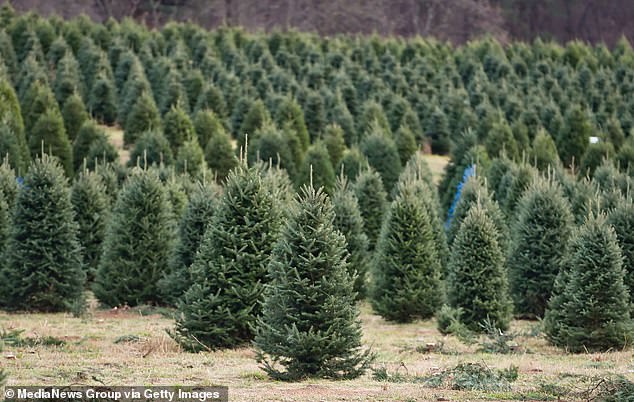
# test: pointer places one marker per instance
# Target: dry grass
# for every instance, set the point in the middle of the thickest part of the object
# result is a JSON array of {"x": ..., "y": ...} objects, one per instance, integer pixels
[
  {"x": 92, "y": 357},
  {"x": 116, "y": 138},
  {"x": 437, "y": 165}
]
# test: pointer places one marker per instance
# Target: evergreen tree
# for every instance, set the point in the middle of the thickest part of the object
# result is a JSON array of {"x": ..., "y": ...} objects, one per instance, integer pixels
[
  {"x": 335, "y": 144},
  {"x": 438, "y": 129},
  {"x": 206, "y": 125},
  {"x": 91, "y": 213},
  {"x": 405, "y": 143},
  {"x": 101, "y": 152},
  {"x": 477, "y": 280},
  {"x": 543, "y": 224},
  {"x": 500, "y": 138},
  {"x": 622, "y": 219},
  {"x": 211, "y": 99},
  {"x": 11, "y": 114},
  {"x": 142, "y": 117},
  {"x": 5, "y": 225},
  {"x": 191, "y": 159},
  {"x": 544, "y": 151},
  {"x": 220, "y": 155},
  {"x": 290, "y": 112},
  {"x": 352, "y": 163},
  {"x": 74, "y": 114},
  {"x": 406, "y": 269},
  {"x": 594, "y": 156},
  {"x": 368, "y": 188},
  {"x": 229, "y": 270},
  {"x": 349, "y": 222},
  {"x": 310, "y": 325},
  {"x": 102, "y": 100},
  {"x": 88, "y": 133},
  {"x": 152, "y": 148},
  {"x": 574, "y": 136},
  {"x": 49, "y": 135},
  {"x": 137, "y": 244},
  {"x": 42, "y": 265},
  {"x": 314, "y": 115},
  {"x": 590, "y": 307},
  {"x": 256, "y": 118},
  {"x": 317, "y": 163},
  {"x": 191, "y": 229},
  {"x": 9, "y": 147},
  {"x": 382, "y": 155},
  {"x": 177, "y": 127},
  {"x": 8, "y": 183}
]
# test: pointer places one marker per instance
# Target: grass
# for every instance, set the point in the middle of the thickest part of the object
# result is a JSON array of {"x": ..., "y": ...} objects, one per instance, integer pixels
[
  {"x": 437, "y": 165},
  {"x": 130, "y": 347}
]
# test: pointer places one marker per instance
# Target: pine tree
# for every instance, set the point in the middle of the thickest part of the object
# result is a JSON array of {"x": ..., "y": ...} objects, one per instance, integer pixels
[
  {"x": 142, "y": 117},
  {"x": 622, "y": 219},
  {"x": 406, "y": 269},
  {"x": 8, "y": 183},
  {"x": 310, "y": 325},
  {"x": 477, "y": 280},
  {"x": 74, "y": 114},
  {"x": 382, "y": 155},
  {"x": 152, "y": 148},
  {"x": 88, "y": 133},
  {"x": 368, "y": 188},
  {"x": 590, "y": 307},
  {"x": 256, "y": 118},
  {"x": 138, "y": 242},
  {"x": 544, "y": 222},
  {"x": 499, "y": 139},
  {"x": 206, "y": 125},
  {"x": 405, "y": 143},
  {"x": 49, "y": 135},
  {"x": 42, "y": 267},
  {"x": 11, "y": 114},
  {"x": 229, "y": 270},
  {"x": 314, "y": 115},
  {"x": 91, "y": 214},
  {"x": 5, "y": 225},
  {"x": 594, "y": 156},
  {"x": 271, "y": 144},
  {"x": 349, "y": 222},
  {"x": 290, "y": 112},
  {"x": 196, "y": 219},
  {"x": 101, "y": 152},
  {"x": 211, "y": 99},
  {"x": 335, "y": 144},
  {"x": 438, "y": 129},
  {"x": 177, "y": 127},
  {"x": 317, "y": 163}
]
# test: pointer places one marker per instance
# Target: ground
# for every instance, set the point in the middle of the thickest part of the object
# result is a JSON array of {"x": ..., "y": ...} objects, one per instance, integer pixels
[{"x": 96, "y": 352}]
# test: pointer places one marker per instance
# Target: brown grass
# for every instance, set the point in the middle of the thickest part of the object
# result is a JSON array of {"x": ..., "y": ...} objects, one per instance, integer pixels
[
  {"x": 91, "y": 357},
  {"x": 437, "y": 165}
]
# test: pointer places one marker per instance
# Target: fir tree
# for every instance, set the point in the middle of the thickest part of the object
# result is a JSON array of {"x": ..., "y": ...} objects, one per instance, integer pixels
[
  {"x": 349, "y": 222},
  {"x": 544, "y": 151},
  {"x": 477, "y": 280},
  {"x": 368, "y": 188},
  {"x": 152, "y": 148},
  {"x": 206, "y": 125},
  {"x": 405, "y": 143},
  {"x": 590, "y": 307},
  {"x": 91, "y": 213},
  {"x": 438, "y": 130},
  {"x": 335, "y": 144},
  {"x": 11, "y": 114},
  {"x": 500, "y": 138},
  {"x": 102, "y": 100},
  {"x": 42, "y": 267},
  {"x": 177, "y": 127},
  {"x": 310, "y": 326},
  {"x": 290, "y": 112},
  {"x": 256, "y": 118},
  {"x": 317, "y": 165},
  {"x": 272, "y": 145},
  {"x": 8, "y": 183},
  {"x": 142, "y": 117},
  {"x": 220, "y": 156},
  {"x": 594, "y": 156},
  {"x": 74, "y": 114},
  {"x": 406, "y": 268},
  {"x": 352, "y": 163},
  {"x": 101, "y": 152},
  {"x": 49, "y": 135},
  {"x": 9, "y": 147},
  {"x": 137, "y": 244},
  {"x": 574, "y": 136},
  {"x": 622, "y": 219},
  {"x": 191, "y": 159},
  {"x": 229, "y": 270},
  {"x": 191, "y": 229},
  {"x": 543, "y": 224},
  {"x": 88, "y": 133},
  {"x": 382, "y": 155},
  {"x": 314, "y": 115}
]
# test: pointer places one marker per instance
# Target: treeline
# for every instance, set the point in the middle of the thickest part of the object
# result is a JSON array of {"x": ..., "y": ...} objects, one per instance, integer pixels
[
  {"x": 274, "y": 179},
  {"x": 457, "y": 20}
]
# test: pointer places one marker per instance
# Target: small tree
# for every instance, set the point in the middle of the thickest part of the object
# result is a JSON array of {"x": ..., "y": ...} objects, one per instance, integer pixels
[
  {"x": 143, "y": 116},
  {"x": 590, "y": 307},
  {"x": 406, "y": 268},
  {"x": 477, "y": 280},
  {"x": 152, "y": 148},
  {"x": 102, "y": 100},
  {"x": 574, "y": 136},
  {"x": 193, "y": 224},
  {"x": 543, "y": 224},
  {"x": 42, "y": 267},
  {"x": 137, "y": 244},
  {"x": 177, "y": 128},
  {"x": 405, "y": 143},
  {"x": 88, "y": 196},
  {"x": 74, "y": 114},
  {"x": 544, "y": 151},
  {"x": 372, "y": 202},
  {"x": 206, "y": 125},
  {"x": 9, "y": 147},
  {"x": 310, "y": 325},
  {"x": 220, "y": 156},
  {"x": 622, "y": 219},
  {"x": 191, "y": 159},
  {"x": 352, "y": 163},
  {"x": 349, "y": 222},
  {"x": 382, "y": 155},
  {"x": 317, "y": 163},
  {"x": 229, "y": 271},
  {"x": 333, "y": 139},
  {"x": 49, "y": 135}
]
